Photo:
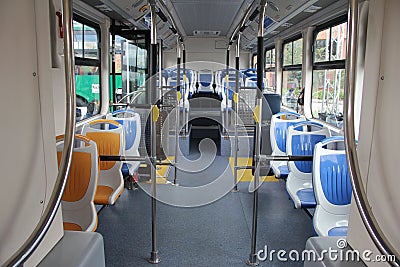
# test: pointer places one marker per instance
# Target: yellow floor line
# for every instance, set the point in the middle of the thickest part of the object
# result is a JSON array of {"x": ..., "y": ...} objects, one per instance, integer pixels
[
  {"x": 162, "y": 171},
  {"x": 246, "y": 175}
]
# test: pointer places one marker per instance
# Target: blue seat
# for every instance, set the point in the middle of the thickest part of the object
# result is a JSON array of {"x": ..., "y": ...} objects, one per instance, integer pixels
[
  {"x": 301, "y": 139},
  {"x": 332, "y": 188},
  {"x": 280, "y": 122},
  {"x": 132, "y": 126},
  {"x": 307, "y": 198}
]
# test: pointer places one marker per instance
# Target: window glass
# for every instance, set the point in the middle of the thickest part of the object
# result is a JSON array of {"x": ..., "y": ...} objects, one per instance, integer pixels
[
  {"x": 131, "y": 63},
  {"x": 328, "y": 95},
  {"x": 287, "y": 54},
  {"x": 329, "y": 78},
  {"x": 90, "y": 44},
  {"x": 270, "y": 81},
  {"x": 270, "y": 58},
  {"x": 330, "y": 44},
  {"x": 87, "y": 70},
  {"x": 298, "y": 52},
  {"x": 338, "y": 42},
  {"x": 78, "y": 39},
  {"x": 291, "y": 88},
  {"x": 254, "y": 61},
  {"x": 292, "y": 73},
  {"x": 87, "y": 91},
  {"x": 322, "y": 46}
]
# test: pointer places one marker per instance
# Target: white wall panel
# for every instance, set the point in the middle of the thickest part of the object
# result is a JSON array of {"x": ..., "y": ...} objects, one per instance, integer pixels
[
  {"x": 27, "y": 158},
  {"x": 203, "y": 49},
  {"x": 379, "y": 141}
]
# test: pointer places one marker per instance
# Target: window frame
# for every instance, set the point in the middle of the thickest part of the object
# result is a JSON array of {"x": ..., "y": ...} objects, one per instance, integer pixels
[
  {"x": 270, "y": 69},
  {"x": 291, "y": 66},
  {"x": 330, "y": 64}
]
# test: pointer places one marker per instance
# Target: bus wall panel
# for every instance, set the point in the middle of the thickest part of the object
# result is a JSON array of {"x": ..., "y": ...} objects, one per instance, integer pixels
[
  {"x": 378, "y": 141},
  {"x": 204, "y": 49},
  {"x": 28, "y": 155}
]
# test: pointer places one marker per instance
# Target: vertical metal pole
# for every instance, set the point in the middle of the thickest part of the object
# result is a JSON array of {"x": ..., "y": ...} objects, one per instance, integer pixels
[
  {"x": 236, "y": 109},
  {"x": 152, "y": 90},
  {"x": 178, "y": 99},
  {"x": 253, "y": 260},
  {"x": 227, "y": 90},
  {"x": 114, "y": 82},
  {"x": 160, "y": 63},
  {"x": 185, "y": 80}
]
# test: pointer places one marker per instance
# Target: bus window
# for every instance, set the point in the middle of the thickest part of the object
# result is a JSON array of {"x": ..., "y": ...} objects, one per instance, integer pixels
[
  {"x": 254, "y": 61},
  {"x": 270, "y": 80},
  {"x": 329, "y": 74},
  {"x": 87, "y": 68},
  {"x": 292, "y": 72}
]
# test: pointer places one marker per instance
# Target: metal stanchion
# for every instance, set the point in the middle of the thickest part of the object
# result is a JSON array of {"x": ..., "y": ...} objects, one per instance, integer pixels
[
  {"x": 151, "y": 89},
  {"x": 253, "y": 260},
  {"x": 236, "y": 110},
  {"x": 185, "y": 80},
  {"x": 178, "y": 99},
  {"x": 227, "y": 91}
]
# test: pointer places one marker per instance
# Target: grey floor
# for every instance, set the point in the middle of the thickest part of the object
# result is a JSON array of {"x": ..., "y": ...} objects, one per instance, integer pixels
[{"x": 218, "y": 234}]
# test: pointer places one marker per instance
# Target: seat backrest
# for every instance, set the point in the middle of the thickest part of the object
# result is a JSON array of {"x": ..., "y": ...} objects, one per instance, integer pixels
[
  {"x": 280, "y": 122},
  {"x": 109, "y": 137},
  {"x": 205, "y": 79},
  {"x": 172, "y": 81},
  {"x": 131, "y": 123},
  {"x": 274, "y": 102},
  {"x": 301, "y": 139},
  {"x": 331, "y": 178},
  {"x": 250, "y": 72},
  {"x": 83, "y": 173}
]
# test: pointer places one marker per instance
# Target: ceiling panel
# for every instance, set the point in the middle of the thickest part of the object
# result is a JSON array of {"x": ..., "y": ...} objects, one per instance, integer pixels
[{"x": 206, "y": 15}]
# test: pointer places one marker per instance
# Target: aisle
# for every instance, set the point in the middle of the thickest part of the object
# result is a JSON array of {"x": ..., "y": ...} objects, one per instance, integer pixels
[{"x": 217, "y": 234}]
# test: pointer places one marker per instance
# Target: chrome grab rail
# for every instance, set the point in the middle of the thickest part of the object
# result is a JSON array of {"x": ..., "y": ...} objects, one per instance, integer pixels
[
  {"x": 33, "y": 241},
  {"x": 360, "y": 196}
]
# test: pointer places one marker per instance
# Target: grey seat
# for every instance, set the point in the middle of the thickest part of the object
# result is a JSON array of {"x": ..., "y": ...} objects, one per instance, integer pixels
[{"x": 78, "y": 249}]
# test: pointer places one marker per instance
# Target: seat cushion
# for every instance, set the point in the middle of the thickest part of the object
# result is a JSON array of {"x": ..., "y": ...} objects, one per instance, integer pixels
[
  {"x": 102, "y": 194},
  {"x": 284, "y": 171},
  {"x": 338, "y": 231},
  {"x": 307, "y": 198},
  {"x": 69, "y": 226}
]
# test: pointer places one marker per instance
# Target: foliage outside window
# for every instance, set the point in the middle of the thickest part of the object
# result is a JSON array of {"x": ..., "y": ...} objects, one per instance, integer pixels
[
  {"x": 329, "y": 74},
  {"x": 87, "y": 68},
  {"x": 292, "y": 72},
  {"x": 270, "y": 77}
]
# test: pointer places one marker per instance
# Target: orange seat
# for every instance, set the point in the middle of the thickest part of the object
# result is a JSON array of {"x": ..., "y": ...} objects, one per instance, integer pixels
[
  {"x": 110, "y": 140},
  {"x": 72, "y": 226},
  {"x": 103, "y": 194},
  {"x": 79, "y": 212}
]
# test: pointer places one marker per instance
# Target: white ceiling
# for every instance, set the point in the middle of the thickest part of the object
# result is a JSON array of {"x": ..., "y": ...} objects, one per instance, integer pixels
[{"x": 206, "y": 15}]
